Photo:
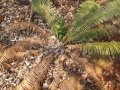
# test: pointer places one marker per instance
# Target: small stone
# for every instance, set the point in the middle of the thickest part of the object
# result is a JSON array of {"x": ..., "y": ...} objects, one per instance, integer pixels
[
  {"x": 1, "y": 73},
  {"x": 6, "y": 75},
  {"x": 45, "y": 86},
  {"x": 1, "y": 83}
]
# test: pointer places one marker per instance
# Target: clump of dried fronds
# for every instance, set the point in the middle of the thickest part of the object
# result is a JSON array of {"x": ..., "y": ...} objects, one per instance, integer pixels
[{"x": 17, "y": 49}]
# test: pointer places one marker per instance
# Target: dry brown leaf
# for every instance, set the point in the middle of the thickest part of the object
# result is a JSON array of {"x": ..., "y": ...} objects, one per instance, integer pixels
[
  {"x": 71, "y": 84},
  {"x": 94, "y": 69},
  {"x": 25, "y": 26},
  {"x": 18, "y": 50},
  {"x": 28, "y": 27},
  {"x": 57, "y": 76},
  {"x": 36, "y": 75}
]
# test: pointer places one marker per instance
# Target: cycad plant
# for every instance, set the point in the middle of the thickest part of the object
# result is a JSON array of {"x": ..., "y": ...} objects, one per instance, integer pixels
[
  {"x": 83, "y": 30},
  {"x": 83, "y": 33}
]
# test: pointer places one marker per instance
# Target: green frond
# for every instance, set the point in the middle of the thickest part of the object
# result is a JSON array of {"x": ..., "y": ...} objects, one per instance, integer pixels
[
  {"x": 51, "y": 15},
  {"x": 84, "y": 12},
  {"x": 102, "y": 48},
  {"x": 86, "y": 36},
  {"x": 102, "y": 14}
]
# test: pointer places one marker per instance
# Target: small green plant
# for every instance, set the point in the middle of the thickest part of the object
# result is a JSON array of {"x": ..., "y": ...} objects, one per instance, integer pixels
[{"x": 51, "y": 15}]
